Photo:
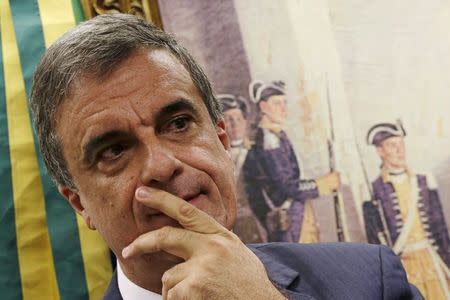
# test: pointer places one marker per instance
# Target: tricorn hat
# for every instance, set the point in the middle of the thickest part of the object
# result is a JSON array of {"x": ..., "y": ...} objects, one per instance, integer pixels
[
  {"x": 260, "y": 91},
  {"x": 382, "y": 131},
  {"x": 230, "y": 101}
]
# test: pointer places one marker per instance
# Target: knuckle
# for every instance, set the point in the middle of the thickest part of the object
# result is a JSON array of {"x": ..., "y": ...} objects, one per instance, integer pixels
[
  {"x": 187, "y": 210},
  {"x": 194, "y": 285},
  {"x": 172, "y": 295},
  {"x": 176, "y": 294},
  {"x": 163, "y": 233},
  {"x": 165, "y": 279},
  {"x": 218, "y": 245}
]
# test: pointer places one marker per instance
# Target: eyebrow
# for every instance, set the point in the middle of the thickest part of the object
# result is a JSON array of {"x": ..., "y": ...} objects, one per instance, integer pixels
[
  {"x": 94, "y": 143},
  {"x": 168, "y": 110},
  {"x": 174, "y": 107}
]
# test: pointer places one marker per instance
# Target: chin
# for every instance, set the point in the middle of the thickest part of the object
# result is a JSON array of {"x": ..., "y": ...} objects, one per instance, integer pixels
[{"x": 400, "y": 165}]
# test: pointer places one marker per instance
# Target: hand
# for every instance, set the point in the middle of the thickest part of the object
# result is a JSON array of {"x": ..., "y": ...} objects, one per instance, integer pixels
[
  {"x": 278, "y": 219},
  {"x": 331, "y": 181},
  {"x": 217, "y": 265}
]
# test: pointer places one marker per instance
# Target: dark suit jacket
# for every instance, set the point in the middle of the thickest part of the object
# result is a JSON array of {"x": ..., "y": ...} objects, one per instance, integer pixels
[{"x": 328, "y": 271}]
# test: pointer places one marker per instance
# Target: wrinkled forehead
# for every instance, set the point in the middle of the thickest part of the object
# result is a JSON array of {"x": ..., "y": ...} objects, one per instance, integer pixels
[
  {"x": 146, "y": 81},
  {"x": 160, "y": 61}
]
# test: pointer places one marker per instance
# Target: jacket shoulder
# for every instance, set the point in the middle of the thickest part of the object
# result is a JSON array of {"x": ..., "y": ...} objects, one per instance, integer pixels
[
  {"x": 113, "y": 293},
  {"x": 342, "y": 270}
]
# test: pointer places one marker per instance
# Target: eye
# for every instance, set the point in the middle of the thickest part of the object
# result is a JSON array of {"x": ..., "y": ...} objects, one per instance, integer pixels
[
  {"x": 178, "y": 124},
  {"x": 112, "y": 152}
]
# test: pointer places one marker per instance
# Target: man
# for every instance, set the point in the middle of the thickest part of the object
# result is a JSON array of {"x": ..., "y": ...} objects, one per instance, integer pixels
[
  {"x": 235, "y": 112},
  {"x": 131, "y": 133},
  {"x": 277, "y": 194},
  {"x": 411, "y": 209}
]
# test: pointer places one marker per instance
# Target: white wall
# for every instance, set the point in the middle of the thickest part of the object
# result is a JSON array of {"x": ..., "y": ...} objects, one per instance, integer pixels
[{"x": 395, "y": 58}]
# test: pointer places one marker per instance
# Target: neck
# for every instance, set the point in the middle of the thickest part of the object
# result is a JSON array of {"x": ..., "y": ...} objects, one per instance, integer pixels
[
  {"x": 147, "y": 271},
  {"x": 266, "y": 122},
  {"x": 395, "y": 170},
  {"x": 237, "y": 143}
]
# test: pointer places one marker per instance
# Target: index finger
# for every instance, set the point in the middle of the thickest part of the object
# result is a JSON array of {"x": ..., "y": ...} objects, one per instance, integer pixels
[{"x": 189, "y": 216}]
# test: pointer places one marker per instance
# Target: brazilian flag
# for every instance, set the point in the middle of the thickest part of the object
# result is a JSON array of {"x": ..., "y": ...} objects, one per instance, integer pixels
[{"x": 46, "y": 251}]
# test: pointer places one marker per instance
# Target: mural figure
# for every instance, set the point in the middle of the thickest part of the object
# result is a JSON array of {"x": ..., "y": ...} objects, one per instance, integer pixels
[
  {"x": 235, "y": 110},
  {"x": 410, "y": 207},
  {"x": 276, "y": 192}
]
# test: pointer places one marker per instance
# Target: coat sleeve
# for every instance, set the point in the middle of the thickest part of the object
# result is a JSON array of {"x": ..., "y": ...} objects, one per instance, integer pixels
[
  {"x": 437, "y": 220},
  {"x": 372, "y": 222},
  {"x": 280, "y": 172}
]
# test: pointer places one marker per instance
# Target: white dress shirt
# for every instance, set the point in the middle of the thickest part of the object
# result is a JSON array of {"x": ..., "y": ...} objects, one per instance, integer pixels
[{"x": 130, "y": 291}]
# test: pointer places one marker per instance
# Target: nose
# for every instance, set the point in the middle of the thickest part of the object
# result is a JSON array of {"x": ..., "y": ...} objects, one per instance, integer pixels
[{"x": 159, "y": 165}]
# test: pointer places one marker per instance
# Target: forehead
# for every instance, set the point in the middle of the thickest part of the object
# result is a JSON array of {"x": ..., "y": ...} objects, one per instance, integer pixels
[
  {"x": 277, "y": 98},
  {"x": 392, "y": 141},
  {"x": 134, "y": 92},
  {"x": 159, "y": 68}
]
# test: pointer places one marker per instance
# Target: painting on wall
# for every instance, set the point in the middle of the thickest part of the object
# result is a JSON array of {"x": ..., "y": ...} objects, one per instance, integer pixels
[{"x": 333, "y": 111}]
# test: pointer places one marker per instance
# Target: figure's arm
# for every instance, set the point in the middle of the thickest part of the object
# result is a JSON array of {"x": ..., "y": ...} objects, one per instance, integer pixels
[
  {"x": 253, "y": 182},
  {"x": 439, "y": 224},
  {"x": 285, "y": 176},
  {"x": 372, "y": 222},
  {"x": 393, "y": 277},
  {"x": 437, "y": 220}
]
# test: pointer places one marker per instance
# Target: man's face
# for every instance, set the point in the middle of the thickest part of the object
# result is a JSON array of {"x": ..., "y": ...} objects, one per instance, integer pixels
[
  {"x": 235, "y": 124},
  {"x": 275, "y": 108},
  {"x": 144, "y": 125},
  {"x": 392, "y": 152}
]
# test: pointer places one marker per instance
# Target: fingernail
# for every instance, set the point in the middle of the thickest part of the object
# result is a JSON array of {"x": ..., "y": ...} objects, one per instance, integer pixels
[
  {"x": 142, "y": 193},
  {"x": 126, "y": 252}
]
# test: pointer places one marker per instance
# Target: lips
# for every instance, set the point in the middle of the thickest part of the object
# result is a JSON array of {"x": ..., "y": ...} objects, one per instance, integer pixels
[{"x": 194, "y": 200}]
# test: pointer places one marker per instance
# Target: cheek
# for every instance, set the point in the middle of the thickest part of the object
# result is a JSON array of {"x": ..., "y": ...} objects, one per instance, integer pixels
[
  {"x": 110, "y": 198},
  {"x": 212, "y": 159}
]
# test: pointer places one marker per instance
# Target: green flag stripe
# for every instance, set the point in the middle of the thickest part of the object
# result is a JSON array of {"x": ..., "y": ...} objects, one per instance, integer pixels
[
  {"x": 77, "y": 11},
  {"x": 62, "y": 224},
  {"x": 10, "y": 283}
]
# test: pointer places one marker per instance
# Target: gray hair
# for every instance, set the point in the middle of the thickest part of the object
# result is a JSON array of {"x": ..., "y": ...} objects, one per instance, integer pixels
[{"x": 95, "y": 48}]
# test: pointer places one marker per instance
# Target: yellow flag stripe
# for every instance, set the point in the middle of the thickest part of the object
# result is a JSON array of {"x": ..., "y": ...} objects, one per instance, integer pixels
[
  {"x": 33, "y": 242},
  {"x": 97, "y": 264},
  {"x": 56, "y": 17}
]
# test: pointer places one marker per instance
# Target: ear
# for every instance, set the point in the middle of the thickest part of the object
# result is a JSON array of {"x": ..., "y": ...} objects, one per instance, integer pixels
[
  {"x": 75, "y": 201},
  {"x": 221, "y": 133}
]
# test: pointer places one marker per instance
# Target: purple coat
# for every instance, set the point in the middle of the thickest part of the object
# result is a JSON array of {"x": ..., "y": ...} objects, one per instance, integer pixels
[
  {"x": 430, "y": 212},
  {"x": 272, "y": 175}
]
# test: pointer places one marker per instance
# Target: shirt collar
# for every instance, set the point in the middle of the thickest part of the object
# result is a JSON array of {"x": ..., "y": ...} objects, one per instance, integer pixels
[
  {"x": 387, "y": 177},
  {"x": 130, "y": 291},
  {"x": 274, "y": 127}
]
